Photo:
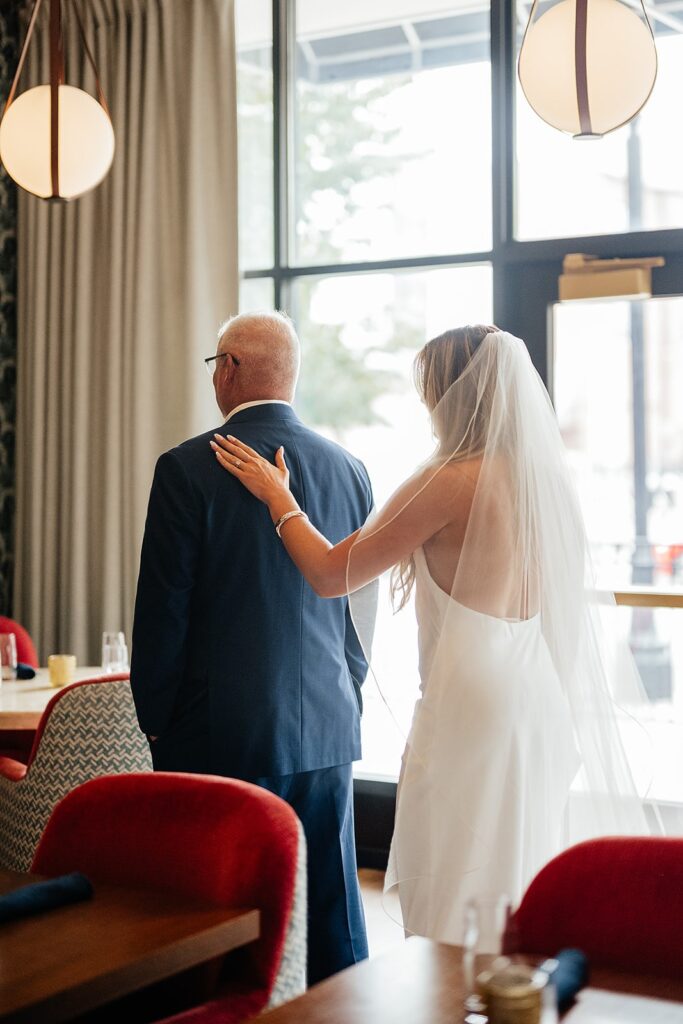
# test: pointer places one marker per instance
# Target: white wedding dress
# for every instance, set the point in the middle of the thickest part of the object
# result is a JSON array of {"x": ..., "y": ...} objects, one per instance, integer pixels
[
  {"x": 477, "y": 812},
  {"x": 515, "y": 751}
]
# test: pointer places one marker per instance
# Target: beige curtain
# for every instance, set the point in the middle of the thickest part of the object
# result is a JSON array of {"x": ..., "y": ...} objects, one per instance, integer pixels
[{"x": 120, "y": 295}]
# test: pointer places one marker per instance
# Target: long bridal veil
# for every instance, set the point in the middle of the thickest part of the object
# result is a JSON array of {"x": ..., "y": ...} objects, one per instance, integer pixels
[{"x": 523, "y": 560}]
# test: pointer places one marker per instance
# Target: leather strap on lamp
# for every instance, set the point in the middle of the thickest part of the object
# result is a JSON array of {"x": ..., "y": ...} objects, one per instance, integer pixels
[
  {"x": 581, "y": 68},
  {"x": 56, "y": 79},
  {"x": 57, "y": 189}
]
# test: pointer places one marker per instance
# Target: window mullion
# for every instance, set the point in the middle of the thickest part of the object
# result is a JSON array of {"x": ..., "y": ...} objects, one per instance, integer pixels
[
  {"x": 284, "y": 35},
  {"x": 502, "y": 147}
]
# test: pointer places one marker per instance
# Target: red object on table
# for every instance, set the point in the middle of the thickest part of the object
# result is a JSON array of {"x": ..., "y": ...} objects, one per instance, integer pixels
[
  {"x": 17, "y": 743},
  {"x": 26, "y": 651},
  {"x": 618, "y": 899}
]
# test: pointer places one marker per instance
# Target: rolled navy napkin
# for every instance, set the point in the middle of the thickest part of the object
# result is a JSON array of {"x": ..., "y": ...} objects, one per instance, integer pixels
[
  {"x": 568, "y": 972},
  {"x": 38, "y": 897},
  {"x": 25, "y": 671}
]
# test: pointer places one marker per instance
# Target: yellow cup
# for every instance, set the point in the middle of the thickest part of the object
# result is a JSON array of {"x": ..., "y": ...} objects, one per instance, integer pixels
[{"x": 62, "y": 668}]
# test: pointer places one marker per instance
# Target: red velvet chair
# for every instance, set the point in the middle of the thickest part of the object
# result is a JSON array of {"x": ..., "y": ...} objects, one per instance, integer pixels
[
  {"x": 26, "y": 650},
  {"x": 620, "y": 900},
  {"x": 213, "y": 839},
  {"x": 88, "y": 729},
  {"x": 17, "y": 743}
]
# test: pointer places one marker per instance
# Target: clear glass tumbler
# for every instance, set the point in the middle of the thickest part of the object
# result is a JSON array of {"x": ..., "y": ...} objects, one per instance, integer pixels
[
  {"x": 114, "y": 653},
  {"x": 486, "y": 924},
  {"x": 8, "y": 656}
]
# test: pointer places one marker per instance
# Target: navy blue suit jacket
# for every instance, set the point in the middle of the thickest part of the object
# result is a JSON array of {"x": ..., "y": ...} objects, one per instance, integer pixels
[{"x": 230, "y": 643}]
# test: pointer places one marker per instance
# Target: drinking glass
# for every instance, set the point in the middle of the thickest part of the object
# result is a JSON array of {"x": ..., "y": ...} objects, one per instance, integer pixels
[
  {"x": 62, "y": 669},
  {"x": 114, "y": 653},
  {"x": 8, "y": 656},
  {"x": 486, "y": 924}
]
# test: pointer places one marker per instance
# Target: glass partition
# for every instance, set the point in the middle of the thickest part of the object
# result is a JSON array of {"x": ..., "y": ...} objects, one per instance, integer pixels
[{"x": 617, "y": 381}]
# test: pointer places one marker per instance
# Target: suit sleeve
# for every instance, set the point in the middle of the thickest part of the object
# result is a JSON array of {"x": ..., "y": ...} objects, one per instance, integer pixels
[
  {"x": 168, "y": 569},
  {"x": 365, "y": 604}
]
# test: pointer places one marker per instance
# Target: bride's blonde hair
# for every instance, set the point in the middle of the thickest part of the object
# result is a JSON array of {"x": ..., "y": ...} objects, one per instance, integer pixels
[{"x": 437, "y": 366}]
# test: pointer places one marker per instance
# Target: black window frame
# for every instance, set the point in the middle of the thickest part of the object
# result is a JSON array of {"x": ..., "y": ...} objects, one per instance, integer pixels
[{"x": 525, "y": 272}]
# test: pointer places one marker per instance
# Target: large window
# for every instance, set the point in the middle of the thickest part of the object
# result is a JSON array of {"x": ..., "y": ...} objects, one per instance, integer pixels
[
  {"x": 254, "y": 37},
  {"x": 394, "y": 182},
  {"x": 360, "y": 333},
  {"x": 383, "y": 166},
  {"x": 392, "y": 129}
]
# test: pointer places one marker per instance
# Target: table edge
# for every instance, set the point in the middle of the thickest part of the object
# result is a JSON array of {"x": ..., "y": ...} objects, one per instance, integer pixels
[{"x": 91, "y": 993}]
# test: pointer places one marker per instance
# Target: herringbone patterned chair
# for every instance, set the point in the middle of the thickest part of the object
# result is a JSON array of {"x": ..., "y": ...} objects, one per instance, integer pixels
[{"x": 88, "y": 729}]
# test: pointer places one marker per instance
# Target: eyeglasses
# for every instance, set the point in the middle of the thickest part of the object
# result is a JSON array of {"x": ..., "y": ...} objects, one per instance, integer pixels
[{"x": 210, "y": 360}]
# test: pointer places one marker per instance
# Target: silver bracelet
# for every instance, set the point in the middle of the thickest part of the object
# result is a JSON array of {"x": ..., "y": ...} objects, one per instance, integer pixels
[{"x": 294, "y": 514}]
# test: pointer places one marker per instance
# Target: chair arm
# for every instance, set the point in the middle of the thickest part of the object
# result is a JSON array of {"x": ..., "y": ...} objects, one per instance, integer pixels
[{"x": 11, "y": 770}]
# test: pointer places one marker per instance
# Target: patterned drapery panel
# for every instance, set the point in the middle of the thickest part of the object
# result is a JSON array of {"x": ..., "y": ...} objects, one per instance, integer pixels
[{"x": 9, "y": 37}]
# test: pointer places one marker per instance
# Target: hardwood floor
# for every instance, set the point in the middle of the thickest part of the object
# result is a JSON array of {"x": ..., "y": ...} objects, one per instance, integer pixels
[{"x": 383, "y": 932}]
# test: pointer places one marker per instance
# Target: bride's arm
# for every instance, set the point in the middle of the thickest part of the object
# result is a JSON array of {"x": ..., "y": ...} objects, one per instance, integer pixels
[{"x": 423, "y": 511}]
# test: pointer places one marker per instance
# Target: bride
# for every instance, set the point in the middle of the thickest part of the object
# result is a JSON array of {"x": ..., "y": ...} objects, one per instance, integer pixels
[{"x": 514, "y": 750}]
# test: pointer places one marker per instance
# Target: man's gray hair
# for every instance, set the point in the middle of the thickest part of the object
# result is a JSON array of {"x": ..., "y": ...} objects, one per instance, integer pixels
[
  {"x": 275, "y": 320},
  {"x": 270, "y": 346}
]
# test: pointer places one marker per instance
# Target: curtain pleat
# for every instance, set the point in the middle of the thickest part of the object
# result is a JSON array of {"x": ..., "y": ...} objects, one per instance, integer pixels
[
  {"x": 119, "y": 297},
  {"x": 9, "y": 54}
]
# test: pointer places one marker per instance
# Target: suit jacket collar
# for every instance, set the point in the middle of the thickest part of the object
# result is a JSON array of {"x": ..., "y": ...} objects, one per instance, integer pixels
[{"x": 268, "y": 413}]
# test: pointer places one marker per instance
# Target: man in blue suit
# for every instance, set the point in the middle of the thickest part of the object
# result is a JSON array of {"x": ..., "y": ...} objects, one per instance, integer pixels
[{"x": 238, "y": 668}]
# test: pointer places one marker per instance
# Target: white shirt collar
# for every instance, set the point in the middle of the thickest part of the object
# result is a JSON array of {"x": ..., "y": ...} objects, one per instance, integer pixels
[{"x": 249, "y": 405}]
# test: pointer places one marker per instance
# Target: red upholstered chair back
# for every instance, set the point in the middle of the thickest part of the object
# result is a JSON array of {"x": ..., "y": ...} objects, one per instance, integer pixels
[
  {"x": 620, "y": 900},
  {"x": 26, "y": 651},
  {"x": 214, "y": 839}
]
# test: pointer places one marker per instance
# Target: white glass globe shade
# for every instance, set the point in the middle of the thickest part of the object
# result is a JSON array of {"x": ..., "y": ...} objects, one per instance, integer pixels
[
  {"x": 86, "y": 142},
  {"x": 621, "y": 65}
]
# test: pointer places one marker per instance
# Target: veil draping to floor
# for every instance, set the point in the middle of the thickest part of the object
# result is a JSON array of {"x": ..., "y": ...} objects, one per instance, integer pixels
[{"x": 515, "y": 749}]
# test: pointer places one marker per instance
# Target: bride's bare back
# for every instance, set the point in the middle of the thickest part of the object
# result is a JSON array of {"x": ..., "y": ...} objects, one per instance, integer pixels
[
  {"x": 490, "y": 579},
  {"x": 442, "y": 549}
]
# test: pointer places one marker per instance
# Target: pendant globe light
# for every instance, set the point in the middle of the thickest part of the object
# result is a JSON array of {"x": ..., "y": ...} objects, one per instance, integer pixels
[
  {"x": 587, "y": 66},
  {"x": 56, "y": 141}
]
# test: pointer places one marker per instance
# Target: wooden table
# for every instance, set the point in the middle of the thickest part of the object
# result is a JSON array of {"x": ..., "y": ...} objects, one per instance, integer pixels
[
  {"x": 421, "y": 982},
  {"x": 23, "y": 702},
  {"x": 74, "y": 959}
]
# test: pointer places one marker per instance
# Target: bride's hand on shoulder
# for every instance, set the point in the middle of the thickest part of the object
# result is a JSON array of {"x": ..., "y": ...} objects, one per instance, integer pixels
[{"x": 265, "y": 481}]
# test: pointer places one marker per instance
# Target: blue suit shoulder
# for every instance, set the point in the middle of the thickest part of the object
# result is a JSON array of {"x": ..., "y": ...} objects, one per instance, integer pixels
[
  {"x": 198, "y": 448},
  {"x": 195, "y": 451},
  {"x": 335, "y": 450},
  {"x": 340, "y": 455},
  {"x": 193, "y": 446}
]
